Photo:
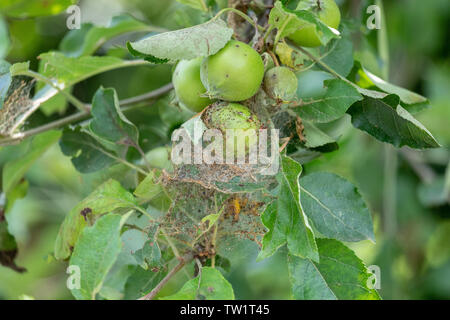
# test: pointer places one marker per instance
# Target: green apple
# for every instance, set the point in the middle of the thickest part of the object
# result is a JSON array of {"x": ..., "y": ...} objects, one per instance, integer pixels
[
  {"x": 188, "y": 86},
  {"x": 327, "y": 11},
  {"x": 280, "y": 83},
  {"x": 234, "y": 73},
  {"x": 230, "y": 117}
]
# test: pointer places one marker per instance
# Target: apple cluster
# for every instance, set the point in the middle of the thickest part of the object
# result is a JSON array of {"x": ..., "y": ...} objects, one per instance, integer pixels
[{"x": 236, "y": 73}]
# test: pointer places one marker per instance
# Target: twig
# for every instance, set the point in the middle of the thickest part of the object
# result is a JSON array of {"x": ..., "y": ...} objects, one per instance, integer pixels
[
  {"x": 274, "y": 58},
  {"x": 77, "y": 103},
  {"x": 81, "y": 116},
  {"x": 285, "y": 144},
  {"x": 183, "y": 261},
  {"x": 319, "y": 62}
]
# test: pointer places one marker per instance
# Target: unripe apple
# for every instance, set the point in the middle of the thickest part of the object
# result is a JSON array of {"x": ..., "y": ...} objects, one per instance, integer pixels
[
  {"x": 280, "y": 83},
  {"x": 188, "y": 86},
  {"x": 234, "y": 73},
  {"x": 328, "y": 12},
  {"x": 231, "y": 118}
]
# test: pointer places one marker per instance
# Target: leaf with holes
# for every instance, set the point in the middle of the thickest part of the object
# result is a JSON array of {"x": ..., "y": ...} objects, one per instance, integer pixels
[
  {"x": 106, "y": 198},
  {"x": 285, "y": 219},
  {"x": 149, "y": 256},
  {"x": 95, "y": 254}
]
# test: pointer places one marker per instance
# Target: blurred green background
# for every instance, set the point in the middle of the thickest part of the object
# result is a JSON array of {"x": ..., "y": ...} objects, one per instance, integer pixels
[{"x": 404, "y": 188}]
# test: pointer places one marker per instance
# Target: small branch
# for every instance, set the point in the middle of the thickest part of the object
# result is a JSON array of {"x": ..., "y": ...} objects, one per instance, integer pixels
[
  {"x": 284, "y": 144},
  {"x": 15, "y": 138},
  {"x": 183, "y": 261},
  {"x": 147, "y": 96},
  {"x": 274, "y": 58},
  {"x": 319, "y": 62},
  {"x": 77, "y": 103}
]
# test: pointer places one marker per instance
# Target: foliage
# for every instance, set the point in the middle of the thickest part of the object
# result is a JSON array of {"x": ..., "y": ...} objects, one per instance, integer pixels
[{"x": 143, "y": 219}]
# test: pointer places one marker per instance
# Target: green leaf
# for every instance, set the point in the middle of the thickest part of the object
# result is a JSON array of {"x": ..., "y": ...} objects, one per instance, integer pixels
[
  {"x": 335, "y": 207},
  {"x": 34, "y": 8},
  {"x": 95, "y": 253},
  {"x": 339, "y": 56},
  {"x": 406, "y": 96},
  {"x": 149, "y": 188},
  {"x": 149, "y": 256},
  {"x": 196, "y": 4},
  {"x": 7, "y": 241},
  {"x": 147, "y": 57},
  {"x": 106, "y": 198},
  {"x": 315, "y": 137},
  {"x": 339, "y": 275},
  {"x": 285, "y": 219},
  {"x": 142, "y": 282},
  {"x": 387, "y": 121},
  {"x": 56, "y": 104},
  {"x": 290, "y": 21},
  {"x": 8, "y": 246},
  {"x": 18, "y": 68},
  {"x": 338, "y": 97},
  {"x": 207, "y": 222},
  {"x": 86, "y": 153},
  {"x": 375, "y": 87},
  {"x": 110, "y": 124},
  {"x": 208, "y": 285},
  {"x": 4, "y": 39},
  {"x": 14, "y": 170},
  {"x": 69, "y": 71},
  {"x": 86, "y": 40},
  {"x": 185, "y": 44},
  {"x": 18, "y": 192},
  {"x": 236, "y": 249}
]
